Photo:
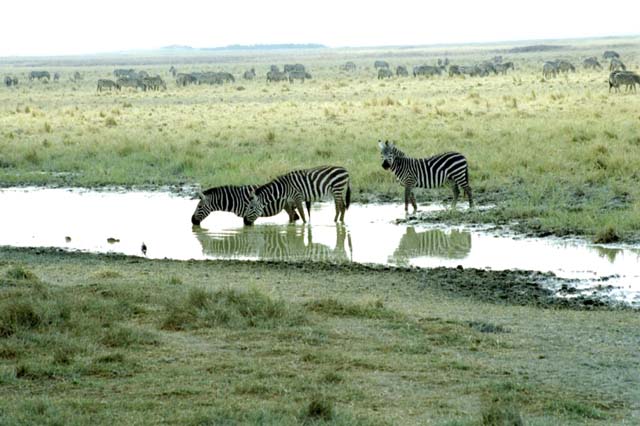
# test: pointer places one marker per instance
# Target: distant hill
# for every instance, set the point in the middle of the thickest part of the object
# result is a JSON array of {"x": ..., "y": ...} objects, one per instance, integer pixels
[
  {"x": 250, "y": 47},
  {"x": 536, "y": 48}
]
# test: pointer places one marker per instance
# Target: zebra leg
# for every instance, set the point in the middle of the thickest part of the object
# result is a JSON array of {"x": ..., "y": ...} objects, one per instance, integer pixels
[
  {"x": 413, "y": 203},
  {"x": 407, "y": 196},
  {"x": 467, "y": 192},
  {"x": 456, "y": 193},
  {"x": 301, "y": 211}
]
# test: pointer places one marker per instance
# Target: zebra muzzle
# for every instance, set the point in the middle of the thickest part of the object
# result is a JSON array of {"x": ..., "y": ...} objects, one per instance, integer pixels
[{"x": 385, "y": 165}]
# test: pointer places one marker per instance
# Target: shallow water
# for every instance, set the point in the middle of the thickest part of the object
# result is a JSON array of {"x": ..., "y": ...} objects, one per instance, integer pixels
[{"x": 113, "y": 221}]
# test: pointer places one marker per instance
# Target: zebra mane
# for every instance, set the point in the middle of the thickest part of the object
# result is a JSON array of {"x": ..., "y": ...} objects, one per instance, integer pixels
[{"x": 218, "y": 190}]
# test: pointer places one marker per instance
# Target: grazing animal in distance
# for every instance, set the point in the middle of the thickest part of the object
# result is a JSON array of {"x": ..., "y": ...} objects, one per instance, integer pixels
[
  {"x": 628, "y": 78},
  {"x": 380, "y": 64},
  {"x": 430, "y": 172},
  {"x": 550, "y": 69},
  {"x": 107, "y": 84},
  {"x": 609, "y": 54},
  {"x": 249, "y": 74},
  {"x": 384, "y": 73},
  {"x": 591, "y": 63},
  {"x": 617, "y": 65},
  {"x": 401, "y": 71}
]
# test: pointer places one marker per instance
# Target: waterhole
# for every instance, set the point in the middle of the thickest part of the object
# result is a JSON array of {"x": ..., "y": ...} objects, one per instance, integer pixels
[{"x": 121, "y": 221}]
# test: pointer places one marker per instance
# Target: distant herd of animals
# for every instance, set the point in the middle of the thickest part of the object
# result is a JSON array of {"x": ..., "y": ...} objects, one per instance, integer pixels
[
  {"x": 289, "y": 191},
  {"x": 141, "y": 80}
]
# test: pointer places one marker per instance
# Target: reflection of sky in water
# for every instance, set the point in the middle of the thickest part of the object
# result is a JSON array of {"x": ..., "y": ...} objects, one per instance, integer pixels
[{"x": 44, "y": 217}]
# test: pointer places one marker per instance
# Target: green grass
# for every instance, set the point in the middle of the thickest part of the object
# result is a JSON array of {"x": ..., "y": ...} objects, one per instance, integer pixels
[
  {"x": 254, "y": 343},
  {"x": 559, "y": 155}
]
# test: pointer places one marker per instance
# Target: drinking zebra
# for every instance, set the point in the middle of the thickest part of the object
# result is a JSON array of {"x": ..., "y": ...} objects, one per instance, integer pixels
[
  {"x": 430, "y": 172},
  {"x": 291, "y": 189},
  {"x": 234, "y": 199}
]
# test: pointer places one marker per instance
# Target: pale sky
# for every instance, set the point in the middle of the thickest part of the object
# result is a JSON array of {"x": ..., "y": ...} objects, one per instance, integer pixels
[{"x": 61, "y": 27}]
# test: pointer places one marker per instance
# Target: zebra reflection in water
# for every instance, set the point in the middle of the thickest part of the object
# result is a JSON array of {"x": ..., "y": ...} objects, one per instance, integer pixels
[
  {"x": 274, "y": 242},
  {"x": 431, "y": 243}
]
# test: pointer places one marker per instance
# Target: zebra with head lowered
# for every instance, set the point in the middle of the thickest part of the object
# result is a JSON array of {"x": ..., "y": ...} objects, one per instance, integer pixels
[
  {"x": 628, "y": 78},
  {"x": 107, "y": 84},
  {"x": 307, "y": 185},
  {"x": 430, "y": 172},
  {"x": 550, "y": 69},
  {"x": 617, "y": 65},
  {"x": 39, "y": 75},
  {"x": 503, "y": 67},
  {"x": 10, "y": 81},
  {"x": 591, "y": 62},
  {"x": 234, "y": 199}
]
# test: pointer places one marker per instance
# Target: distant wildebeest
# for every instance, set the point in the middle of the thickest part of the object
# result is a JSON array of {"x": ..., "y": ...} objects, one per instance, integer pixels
[
  {"x": 617, "y": 65},
  {"x": 249, "y": 74},
  {"x": 565, "y": 66},
  {"x": 380, "y": 64},
  {"x": 154, "y": 83},
  {"x": 297, "y": 75},
  {"x": 56, "y": 76},
  {"x": 401, "y": 71},
  {"x": 384, "y": 73},
  {"x": 107, "y": 84},
  {"x": 550, "y": 69},
  {"x": 294, "y": 67},
  {"x": 503, "y": 67},
  {"x": 39, "y": 75},
  {"x": 173, "y": 71},
  {"x": 591, "y": 63},
  {"x": 183, "y": 79},
  {"x": 277, "y": 76},
  {"x": 134, "y": 83},
  {"x": 628, "y": 78},
  {"x": 8, "y": 81},
  {"x": 609, "y": 54},
  {"x": 348, "y": 66}
]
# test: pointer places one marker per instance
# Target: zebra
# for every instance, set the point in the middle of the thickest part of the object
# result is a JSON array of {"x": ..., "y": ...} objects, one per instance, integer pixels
[
  {"x": 628, "y": 78},
  {"x": 591, "y": 62},
  {"x": 39, "y": 75},
  {"x": 503, "y": 67},
  {"x": 183, "y": 79},
  {"x": 298, "y": 75},
  {"x": 76, "y": 77},
  {"x": 616, "y": 65},
  {"x": 384, "y": 73},
  {"x": 131, "y": 82},
  {"x": 348, "y": 66},
  {"x": 10, "y": 81},
  {"x": 154, "y": 83},
  {"x": 276, "y": 76},
  {"x": 249, "y": 74},
  {"x": 56, "y": 76},
  {"x": 294, "y": 67},
  {"x": 234, "y": 199},
  {"x": 454, "y": 70},
  {"x": 432, "y": 243},
  {"x": 426, "y": 70},
  {"x": 430, "y": 172},
  {"x": 380, "y": 64},
  {"x": 107, "y": 84},
  {"x": 401, "y": 71},
  {"x": 302, "y": 185},
  {"x": 610, "y": 54},
  {"x": 124, "y": 72},
  {"x": 550, "y": 69},
  {"x": 173, "y": 71},
  {"x": 565, "y": 66}
]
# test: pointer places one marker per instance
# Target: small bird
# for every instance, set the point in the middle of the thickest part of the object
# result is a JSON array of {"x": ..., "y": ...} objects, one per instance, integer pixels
[
  {"x": 67, "y": 239},
  {"x": 144, "y": 249}
]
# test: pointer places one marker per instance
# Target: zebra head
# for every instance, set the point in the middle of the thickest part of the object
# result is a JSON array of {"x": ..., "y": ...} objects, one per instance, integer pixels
[
  {"x": 255, "y": 209},
  {"x": 389, "y": 154},
  {"x": 202, "y": 209}
]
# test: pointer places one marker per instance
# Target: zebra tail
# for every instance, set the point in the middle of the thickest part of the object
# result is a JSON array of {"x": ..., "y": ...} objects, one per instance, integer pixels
[{"x": 348, "y": 197}]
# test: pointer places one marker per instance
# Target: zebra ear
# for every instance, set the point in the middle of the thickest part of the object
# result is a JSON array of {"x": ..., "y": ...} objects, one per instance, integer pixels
[
  {"x": 199, "y": 196},
  {"x": 380, "y": 144}
]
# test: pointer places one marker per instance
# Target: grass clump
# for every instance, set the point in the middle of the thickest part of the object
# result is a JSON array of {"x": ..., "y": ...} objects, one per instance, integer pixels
[
  {"x": 606, "y": 236},
  {"x": 229, "y": 308},
  {"x": 320, "y": 408},
  {"x": 19, "y": 275},
  {"x": 371, "y": 310}
]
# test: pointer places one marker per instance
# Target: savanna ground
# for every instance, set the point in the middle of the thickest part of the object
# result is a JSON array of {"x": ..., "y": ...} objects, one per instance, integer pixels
[{"x": 105, "y": 339}]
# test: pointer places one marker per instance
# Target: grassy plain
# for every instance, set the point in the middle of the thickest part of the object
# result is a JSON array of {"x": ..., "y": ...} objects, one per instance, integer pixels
[
  {"x": 559, "y": 155},
  {"x": 89, "y": 339}
]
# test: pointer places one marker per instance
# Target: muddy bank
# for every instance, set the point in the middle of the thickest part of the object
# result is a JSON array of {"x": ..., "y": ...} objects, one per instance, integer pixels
[{"x": 511, "y": 287}]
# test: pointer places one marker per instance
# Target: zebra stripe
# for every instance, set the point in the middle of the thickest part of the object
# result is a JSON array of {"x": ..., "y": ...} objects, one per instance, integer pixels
[
  {"x": 308, "y": 185},
  {"x": 234, "y": 199},
  {"x": 430, "y": 172}
]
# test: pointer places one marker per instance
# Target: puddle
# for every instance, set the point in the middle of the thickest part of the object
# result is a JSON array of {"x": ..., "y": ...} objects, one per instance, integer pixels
[{"x": 120, "y": 222}]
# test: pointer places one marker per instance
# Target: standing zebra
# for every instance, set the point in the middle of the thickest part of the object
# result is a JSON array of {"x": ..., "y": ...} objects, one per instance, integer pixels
[
  {"x": 308, "y": 185},
  {"x": 430, "y": 172},
  {"x": 234, "y": 199}
]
